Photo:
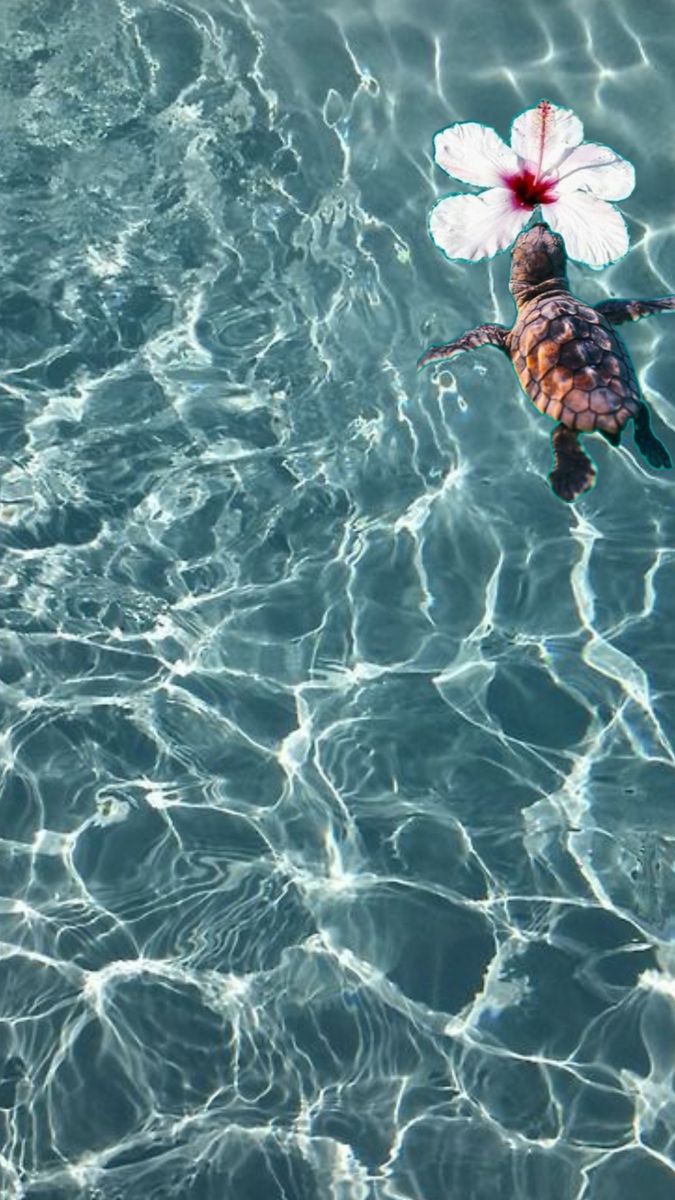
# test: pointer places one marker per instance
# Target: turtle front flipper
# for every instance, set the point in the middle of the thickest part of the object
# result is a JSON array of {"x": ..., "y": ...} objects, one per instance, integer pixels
[
  {"x": 647, "y": 442},
  {"x": 482, "y": 335},
  {"x": 574, "y": 472},
  {"x": 618, "y": 311}
]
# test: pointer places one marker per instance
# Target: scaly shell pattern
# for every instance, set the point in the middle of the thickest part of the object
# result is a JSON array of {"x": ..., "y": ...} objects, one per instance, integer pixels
[{"x": 571, "y": 363}]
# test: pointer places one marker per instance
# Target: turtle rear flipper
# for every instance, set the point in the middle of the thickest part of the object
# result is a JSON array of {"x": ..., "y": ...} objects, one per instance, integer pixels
[
  {"x": 574, "y": 472},
  {"x": 482, "y": 335},
  {"x": 647, "y": 442}
]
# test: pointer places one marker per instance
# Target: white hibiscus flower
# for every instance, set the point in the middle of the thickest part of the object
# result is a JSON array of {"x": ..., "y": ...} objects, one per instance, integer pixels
[{"x": 546, "y": 167}]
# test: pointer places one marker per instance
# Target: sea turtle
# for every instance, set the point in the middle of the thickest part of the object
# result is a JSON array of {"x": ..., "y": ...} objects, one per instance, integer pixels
[{"x": 568, "y": 359}]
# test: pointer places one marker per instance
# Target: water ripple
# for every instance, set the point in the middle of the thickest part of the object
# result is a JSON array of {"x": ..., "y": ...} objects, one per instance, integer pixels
[{"x": 336, "y": 845}]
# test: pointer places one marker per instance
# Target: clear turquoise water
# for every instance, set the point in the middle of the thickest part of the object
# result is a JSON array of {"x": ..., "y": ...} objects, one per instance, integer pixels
[{"x": 336, "y": 821}]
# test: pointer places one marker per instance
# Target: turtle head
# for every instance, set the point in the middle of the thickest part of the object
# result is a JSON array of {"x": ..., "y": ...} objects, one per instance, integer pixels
[{"x": 538, "y": 263}]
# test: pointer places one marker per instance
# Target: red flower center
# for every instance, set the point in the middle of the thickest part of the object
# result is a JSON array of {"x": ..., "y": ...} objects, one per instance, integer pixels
[{"x": 528, "y": 191}]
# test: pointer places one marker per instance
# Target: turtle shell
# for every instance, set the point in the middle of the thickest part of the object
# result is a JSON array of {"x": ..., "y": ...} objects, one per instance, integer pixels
[{"x": 571, "y": 363}]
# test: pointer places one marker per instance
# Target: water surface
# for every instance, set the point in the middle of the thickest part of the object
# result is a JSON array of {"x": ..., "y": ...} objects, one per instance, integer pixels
[{"x": 336, "y": 822}]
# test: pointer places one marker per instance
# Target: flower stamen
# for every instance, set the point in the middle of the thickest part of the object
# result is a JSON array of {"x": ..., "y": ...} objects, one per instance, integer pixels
[{"x": 528, "y": 191}]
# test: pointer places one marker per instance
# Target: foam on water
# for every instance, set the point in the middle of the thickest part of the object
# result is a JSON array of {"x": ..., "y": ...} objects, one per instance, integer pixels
[{"x": 336, "y": 821}]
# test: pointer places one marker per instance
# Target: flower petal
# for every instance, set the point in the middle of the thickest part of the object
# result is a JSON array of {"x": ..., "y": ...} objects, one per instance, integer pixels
[
  {"x": 473, "y": 227},
  {"x": 593, "y": 231},
  {"x": 474, "y": 153},
  {"x": 541, "y": 136},
  {"x": 597, "y": 169}
]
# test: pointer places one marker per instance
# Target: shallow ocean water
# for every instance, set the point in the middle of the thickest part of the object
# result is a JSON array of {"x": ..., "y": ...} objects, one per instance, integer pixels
[{"x": 336, "y": 822}]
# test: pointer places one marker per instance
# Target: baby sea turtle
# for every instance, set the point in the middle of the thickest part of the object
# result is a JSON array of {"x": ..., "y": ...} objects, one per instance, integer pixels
[{"x": 568, "y": 359}]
